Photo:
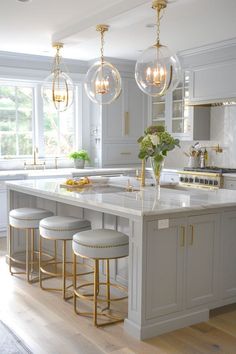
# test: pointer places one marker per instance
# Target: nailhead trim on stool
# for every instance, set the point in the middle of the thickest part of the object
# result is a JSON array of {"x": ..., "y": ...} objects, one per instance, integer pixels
[
  {"x": 59, "y": 228},
  {"x": 100, "y": 244},
  {"x": 26, "y": 219}
]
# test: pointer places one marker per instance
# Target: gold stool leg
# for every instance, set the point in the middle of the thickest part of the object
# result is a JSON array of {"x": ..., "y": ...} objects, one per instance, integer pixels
[
  {"x": 32, "y": 258},
  {"x": 96, "y": 270},
  {"x": 108, "y": 283},
  {"x": 28, "y": 250},
  {"x": 10, "y": 249},
  {"x": 40, "y": 261},
  {"x": 64, "y": 269},
  {"x": 74, "y": 280},
  {"x": 55, "y": 255}
]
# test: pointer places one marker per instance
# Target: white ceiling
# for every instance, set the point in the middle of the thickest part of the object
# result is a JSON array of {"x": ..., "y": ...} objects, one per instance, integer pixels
[{"x": 30, "y": 27}]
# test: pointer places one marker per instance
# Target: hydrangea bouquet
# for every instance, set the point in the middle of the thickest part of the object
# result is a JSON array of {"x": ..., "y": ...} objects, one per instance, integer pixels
[{"x": 156, "y": 143}]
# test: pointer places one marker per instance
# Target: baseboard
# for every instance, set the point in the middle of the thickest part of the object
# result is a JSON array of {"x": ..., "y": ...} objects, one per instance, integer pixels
[{"x": 161, "y": 327}]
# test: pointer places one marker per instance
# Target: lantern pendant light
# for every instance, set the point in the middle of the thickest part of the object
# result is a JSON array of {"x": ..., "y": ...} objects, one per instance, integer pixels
[
  {"x": 58, "y": 87},
  {"x": 102, "y": 82},
  {"x": 157, "y": 70}
]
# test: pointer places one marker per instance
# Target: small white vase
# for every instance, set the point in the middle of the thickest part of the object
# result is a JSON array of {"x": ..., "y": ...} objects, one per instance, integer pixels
[{"x": 79, "y": 163}]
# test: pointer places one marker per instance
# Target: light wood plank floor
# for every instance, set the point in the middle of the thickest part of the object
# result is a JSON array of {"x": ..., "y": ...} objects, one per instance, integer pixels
[{"x": 49, "y": 326}]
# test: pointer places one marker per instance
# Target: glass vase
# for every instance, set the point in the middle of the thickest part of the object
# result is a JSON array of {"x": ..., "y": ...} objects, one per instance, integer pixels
[{"x": 157, "y": 166}]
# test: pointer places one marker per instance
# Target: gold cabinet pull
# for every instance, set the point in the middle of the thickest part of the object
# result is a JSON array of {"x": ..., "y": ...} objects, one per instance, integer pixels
[
  {"x": 125, "y": 153},
  {"x": 182, "y": 243},
  {"x": 126, "y": 124},
  {"x": 192, "y": 235}
]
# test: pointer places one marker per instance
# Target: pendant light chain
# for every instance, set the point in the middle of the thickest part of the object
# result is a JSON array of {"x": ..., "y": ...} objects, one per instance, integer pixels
[
  {"x": 102, "y": 46},
  {"x": 158, "y": 25}
]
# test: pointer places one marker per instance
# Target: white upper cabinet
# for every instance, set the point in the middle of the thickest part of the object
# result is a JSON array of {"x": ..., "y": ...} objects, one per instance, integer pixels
[
  {"x": 123, "y": 122},
  {"x": 214, "y": 82},
  {"x": 124, "y": 119}
]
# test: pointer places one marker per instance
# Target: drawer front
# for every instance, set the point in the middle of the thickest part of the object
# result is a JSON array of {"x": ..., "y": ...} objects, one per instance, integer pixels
[
  {"x": 117, "y": 154},
  {"x": 230, "y": 183}
]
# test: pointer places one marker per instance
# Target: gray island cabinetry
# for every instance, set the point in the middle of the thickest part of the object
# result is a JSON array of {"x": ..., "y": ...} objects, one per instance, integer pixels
[{"x": 182, "y": 248}]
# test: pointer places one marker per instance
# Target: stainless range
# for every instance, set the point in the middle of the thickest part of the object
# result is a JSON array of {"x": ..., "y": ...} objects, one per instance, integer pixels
[{"x": 203, "y": 178}]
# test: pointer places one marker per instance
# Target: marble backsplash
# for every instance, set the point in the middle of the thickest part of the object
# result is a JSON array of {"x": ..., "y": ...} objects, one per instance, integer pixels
[{"x": 223, "y": 132}]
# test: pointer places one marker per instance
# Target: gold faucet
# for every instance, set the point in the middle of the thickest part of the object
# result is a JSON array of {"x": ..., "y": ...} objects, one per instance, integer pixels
[
  {"x": 217, "y": 148},
  {"x": 141, "y": 177},
  {"x": 35, "y": 160},
  {"x": 35, "y": 153}
]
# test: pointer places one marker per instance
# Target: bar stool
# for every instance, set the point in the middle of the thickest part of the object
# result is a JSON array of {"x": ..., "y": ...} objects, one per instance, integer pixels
[
  {"x": 25, "y": 219},
  {"x": 100, "y": 244},
  {"x": 59, "y": 228}
]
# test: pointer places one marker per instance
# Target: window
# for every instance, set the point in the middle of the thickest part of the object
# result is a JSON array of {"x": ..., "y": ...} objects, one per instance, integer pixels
[
  {"x": 59, "y": 131},
  {"x": 27, "y": 122},
  {"x": 16, "y": 120}
]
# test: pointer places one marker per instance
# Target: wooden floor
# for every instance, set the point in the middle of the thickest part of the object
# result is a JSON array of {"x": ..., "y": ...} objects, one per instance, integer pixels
[{"x": 48, "y": 325}]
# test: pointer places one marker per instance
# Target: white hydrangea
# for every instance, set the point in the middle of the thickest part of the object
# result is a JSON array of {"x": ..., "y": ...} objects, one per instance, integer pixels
[{"x": 155, "y": 139}]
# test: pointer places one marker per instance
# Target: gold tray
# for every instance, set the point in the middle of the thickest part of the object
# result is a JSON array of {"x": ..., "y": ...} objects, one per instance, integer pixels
[{"x": 68, "y": 186}]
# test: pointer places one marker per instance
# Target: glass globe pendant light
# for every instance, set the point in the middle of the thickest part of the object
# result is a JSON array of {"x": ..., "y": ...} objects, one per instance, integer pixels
[
  {"x": 157, "y": 70},
  {"x": 102, "y": 82},
  {"x": 58, "y": 87}
]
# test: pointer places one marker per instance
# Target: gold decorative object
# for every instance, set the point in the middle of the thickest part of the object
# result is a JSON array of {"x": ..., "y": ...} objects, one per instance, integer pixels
[
  {"x": 102, "y": 82},
  {"x": 157, "y": 69},
  {"x": 58, "y": 86}
]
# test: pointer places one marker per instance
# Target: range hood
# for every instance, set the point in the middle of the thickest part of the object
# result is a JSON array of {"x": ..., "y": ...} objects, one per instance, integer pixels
[{"x": 213, "y": 103}]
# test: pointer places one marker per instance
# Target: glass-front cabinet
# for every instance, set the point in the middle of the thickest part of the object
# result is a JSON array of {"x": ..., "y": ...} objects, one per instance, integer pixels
[
  {"x": 175, "y": 113},
  {"x": 159, "y": 111}
]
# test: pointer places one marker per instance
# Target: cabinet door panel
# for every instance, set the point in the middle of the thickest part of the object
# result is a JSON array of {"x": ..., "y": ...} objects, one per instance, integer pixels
[
  {"x": 112, "y": 121},
  {"x": 228, "y": 246},
  {"x": 165, "y": 252},
  {"x": 135, "y": 107},
  {"x": 3, "y": 214},
  {"x": 201, "y": 259},
  {"x": 214, "y": 81}
]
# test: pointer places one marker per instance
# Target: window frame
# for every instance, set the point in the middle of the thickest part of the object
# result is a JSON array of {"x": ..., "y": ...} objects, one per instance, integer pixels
[{"x": 38, "y": 117}]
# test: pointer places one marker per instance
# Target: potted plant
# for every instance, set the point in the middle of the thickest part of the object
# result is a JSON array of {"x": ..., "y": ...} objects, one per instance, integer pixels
[
  {"x": 79, "y": 158},
  {"x": 155, "y": 144}
]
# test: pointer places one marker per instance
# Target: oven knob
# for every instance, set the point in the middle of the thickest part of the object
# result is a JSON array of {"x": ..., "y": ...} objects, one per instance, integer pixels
[
  {"x": 206, "y": 181},
  {"x": 181, "y": 179},
  {"x": 210, "y": 182},
  {"x": 197, "y": 180},
  {"x": 216, "y": 183},
  {"x": 201, "y": 181},
  {"x": 186, "y": 179},
  {"x": 191, "y": 180}
]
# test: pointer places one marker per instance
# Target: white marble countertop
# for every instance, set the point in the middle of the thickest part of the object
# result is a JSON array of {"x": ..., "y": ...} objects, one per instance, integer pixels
[
  {"x": 62, "y": 172},
  {"x": 137, "y": 203}
]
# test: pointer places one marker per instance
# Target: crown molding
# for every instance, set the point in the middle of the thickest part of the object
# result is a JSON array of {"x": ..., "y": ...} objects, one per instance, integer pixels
[{"x": 229, "y": 43}]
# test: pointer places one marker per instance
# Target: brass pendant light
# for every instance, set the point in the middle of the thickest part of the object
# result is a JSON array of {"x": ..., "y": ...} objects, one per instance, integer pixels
[
  {"x": 58, "y": 87},
  {"x": 102, "y": 82},
  {"x": 157, "y": 70}
]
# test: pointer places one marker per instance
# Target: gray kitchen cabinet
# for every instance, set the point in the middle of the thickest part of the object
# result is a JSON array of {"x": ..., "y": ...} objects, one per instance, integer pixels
[
  {"x": 123, "y": 122},
  {"x": 228, "y": 252},
  {"x": 191, "y": 269},
  {"x": 167, "y": 271},
  {"x": 3, "y": 214},
  {"x": 201, "y": 259},
  {"x": 213, "y": 82},
  {"x": 230, "y": 183}
]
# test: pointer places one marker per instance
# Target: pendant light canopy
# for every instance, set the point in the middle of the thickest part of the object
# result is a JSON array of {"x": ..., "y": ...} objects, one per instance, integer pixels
[
  {"x": 102, "y": 82},
  {"x": 58, "y": 87},
  {"x": 157, "y": 70}
]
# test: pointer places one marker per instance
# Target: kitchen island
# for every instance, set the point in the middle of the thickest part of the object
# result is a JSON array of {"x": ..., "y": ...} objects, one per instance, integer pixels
[{"x": 182, "y": 245}]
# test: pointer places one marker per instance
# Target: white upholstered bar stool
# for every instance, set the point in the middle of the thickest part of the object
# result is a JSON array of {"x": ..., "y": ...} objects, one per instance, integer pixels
[
  {"x": 59, "y": 228},
  {"x": 25, "y": 219},
  {"x": 100, "y": 244}
]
